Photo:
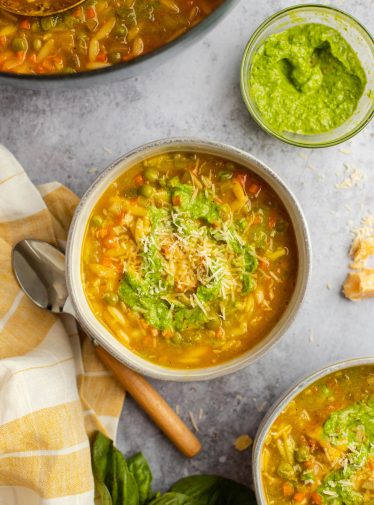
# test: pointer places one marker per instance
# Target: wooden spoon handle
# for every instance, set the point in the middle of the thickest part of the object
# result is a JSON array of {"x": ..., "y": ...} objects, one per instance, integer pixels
[{"x": 153, "y": 404}]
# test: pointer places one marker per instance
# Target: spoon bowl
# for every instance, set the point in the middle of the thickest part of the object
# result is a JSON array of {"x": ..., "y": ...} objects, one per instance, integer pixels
[{"x": 40, "y": 271}]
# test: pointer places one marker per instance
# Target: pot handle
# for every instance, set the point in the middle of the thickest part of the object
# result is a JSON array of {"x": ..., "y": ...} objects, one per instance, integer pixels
[{"x": 153, "y": 404}]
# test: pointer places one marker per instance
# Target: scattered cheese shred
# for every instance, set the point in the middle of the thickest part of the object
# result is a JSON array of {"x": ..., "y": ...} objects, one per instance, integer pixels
[
  {"x": 353, "y": 178},
  {"x": 193, "y": 421},
  {"x": 243, "y": 442}
]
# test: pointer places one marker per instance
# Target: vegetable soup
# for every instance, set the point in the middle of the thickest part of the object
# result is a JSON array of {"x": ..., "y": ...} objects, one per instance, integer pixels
[
  {"x": 189, "y": 260},
  {"x": 94, "y": 35},
  {"x": 320, "y": 450}
]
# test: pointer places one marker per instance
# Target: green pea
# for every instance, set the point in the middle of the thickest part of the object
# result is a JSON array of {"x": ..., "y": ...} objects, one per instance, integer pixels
[
  {"x": 120, "y": 30},
  {"x": 35, "y": 26},
  {"x": 143, "y": 201},
  {"x": 130, "y": 192},
  {"x": 281, "y": 226},
  {"x": 48, "y": 22},
  {"x": 37, "y": 44},
  {"x": 70, "y": 21},
  {"x": 151, "y": 174},
  {"x": 325, "y": 390},
  {"x": 115, "y": 57},
  {"x": 110, "y": 298},
  {"x": 19, "y": 44},
  {"x": 225, "y": 175},
  {"x": 285, "y": 470},
  {"x": 146, "y": 190},
  {"x": 213, "y": 324},
  {"x": 97, "y": 221},
  {"x": 174, "y": 181},
  {"x": 302, "y": 454},
  {"x": 308, "y": 476}
]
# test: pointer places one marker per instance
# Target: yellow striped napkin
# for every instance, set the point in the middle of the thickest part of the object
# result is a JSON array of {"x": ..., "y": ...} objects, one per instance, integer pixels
[{"x": 53, "y": 391}]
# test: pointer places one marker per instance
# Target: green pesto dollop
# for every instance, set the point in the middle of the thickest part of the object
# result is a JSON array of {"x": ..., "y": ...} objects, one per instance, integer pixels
[
  {"x": 306, "y": 79},
  {"x": 351, "y": 427},
  {"x": 195, "y": 219}
]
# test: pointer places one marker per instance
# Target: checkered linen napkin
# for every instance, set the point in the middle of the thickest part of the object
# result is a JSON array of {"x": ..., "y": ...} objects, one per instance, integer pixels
[{"x": 54, "y": 393}]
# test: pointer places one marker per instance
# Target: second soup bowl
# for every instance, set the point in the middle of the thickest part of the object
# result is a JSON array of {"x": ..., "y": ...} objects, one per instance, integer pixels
[{"x": 101, "y": 334}]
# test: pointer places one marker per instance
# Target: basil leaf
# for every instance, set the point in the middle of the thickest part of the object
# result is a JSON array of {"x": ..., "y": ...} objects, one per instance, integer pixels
[
  {"x": 139, "y": 468},
  {"x": 102, "y": 494},
  {"x": 101, "y": 450},
  {"x": 127, "y": 488},
  {"x": 111, "y": 479},
  {"x": 213, "y": 490},
  {"x": 173, "y": 499}
]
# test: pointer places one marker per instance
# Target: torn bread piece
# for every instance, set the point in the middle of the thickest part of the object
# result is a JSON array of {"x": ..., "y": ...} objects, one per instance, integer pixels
[
  {"x": 359, "y": 285},
  {"x": 361, "y": 250}
]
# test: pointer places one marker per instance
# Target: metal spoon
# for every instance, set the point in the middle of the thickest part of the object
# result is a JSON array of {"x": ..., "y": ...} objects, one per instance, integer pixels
[
  {"x": 38, "y": 7},
  {"x": 40, "y": 271}
]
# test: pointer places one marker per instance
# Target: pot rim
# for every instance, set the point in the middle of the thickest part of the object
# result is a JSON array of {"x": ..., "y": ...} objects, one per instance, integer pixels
[
  {"x": 76, "y": 233},
  {"x": 280, "y": 404},
  {"x": 128, "y": 69}
]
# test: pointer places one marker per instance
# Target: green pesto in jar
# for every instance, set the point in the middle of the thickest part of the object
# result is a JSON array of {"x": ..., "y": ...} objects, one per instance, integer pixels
[{"x": 306, "y": 79}]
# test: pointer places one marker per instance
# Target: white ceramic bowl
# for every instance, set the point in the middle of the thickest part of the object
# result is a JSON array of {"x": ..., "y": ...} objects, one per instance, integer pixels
[
  {"x": 101, "y": 336},
  {"x": 279, "y": 407}
]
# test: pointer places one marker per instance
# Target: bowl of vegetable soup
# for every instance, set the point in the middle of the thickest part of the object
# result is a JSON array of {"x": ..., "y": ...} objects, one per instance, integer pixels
[
  {"x": 316, "y": 445},
  {"x": 100, "y": 40},
  {"x": 187, "y": 259}
]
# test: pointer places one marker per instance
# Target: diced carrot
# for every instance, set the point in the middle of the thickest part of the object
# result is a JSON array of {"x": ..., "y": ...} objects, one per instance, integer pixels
[
  {"x": 299, "y": 496},
  {"x": 25, "y": 24},
  {"x": 110, "y": 241},
  {"x": 58, "y": 60},
  {"x": 241, "y": 178},
  {"x": 220, "y": 332},
  {"x": 272, "y": 220},
  {"x": 254, "y": 189},
  {"x": 288, "y": 489},
  {"x": 101, "y": 57},
  {"x": 176, "y": 200},
  {"x": 107, "y": 262},
  {"x": 119, "y": 217},
  {"x": 32, "y": 57},
  {"x": 40, "y": 70},
  {"x": 48, "y": 65},
  {"x": 308, "y": 464},
  {"x": 138, "y": 180},
  {"x": 21, "y": 55},
  {"x": 264, "y": 264},
  {"x": 317, "y": 498},
  {"x": 257, "y": 219},
  {"x": 77, "y": 13},
  {"x": 90, "y": 13}
]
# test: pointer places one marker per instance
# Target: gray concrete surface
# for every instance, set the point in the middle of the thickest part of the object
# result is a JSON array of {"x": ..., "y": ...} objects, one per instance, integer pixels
[{"x": 66, "y": 135}]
